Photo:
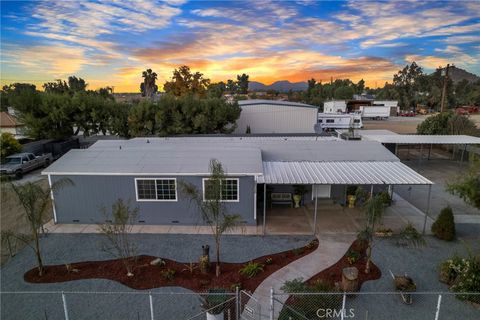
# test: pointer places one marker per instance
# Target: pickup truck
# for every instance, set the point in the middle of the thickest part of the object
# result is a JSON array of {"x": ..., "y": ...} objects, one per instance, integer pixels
[{"x": 20, "y": 163}]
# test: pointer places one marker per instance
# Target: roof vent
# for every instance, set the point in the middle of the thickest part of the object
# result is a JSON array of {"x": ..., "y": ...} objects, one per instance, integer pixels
[
  {"x": 148, "y": 141},
  {"x": 120, "y": 147}
]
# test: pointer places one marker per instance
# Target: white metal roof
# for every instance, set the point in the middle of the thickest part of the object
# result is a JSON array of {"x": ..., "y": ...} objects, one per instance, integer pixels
[
  {"x": 422, "y": 139},
  {"x": 163, "y": 160},
  {"x": 256, "y": 102},
  {"x": 345, "y": 172}
]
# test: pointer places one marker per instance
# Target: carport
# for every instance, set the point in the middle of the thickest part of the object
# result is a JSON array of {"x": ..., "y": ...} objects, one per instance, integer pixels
[
  {"x": 344, "y": 173},
  {"x": 421, "y": 142}
]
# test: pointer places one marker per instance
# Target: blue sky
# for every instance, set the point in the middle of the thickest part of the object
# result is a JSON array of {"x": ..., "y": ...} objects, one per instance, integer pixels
[{"x": 109, "y": 43}]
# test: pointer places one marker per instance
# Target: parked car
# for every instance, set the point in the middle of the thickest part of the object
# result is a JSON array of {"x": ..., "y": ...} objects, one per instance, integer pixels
[
  {"x": 20, "y": 163},
  {"x": 407, "y": 114}
]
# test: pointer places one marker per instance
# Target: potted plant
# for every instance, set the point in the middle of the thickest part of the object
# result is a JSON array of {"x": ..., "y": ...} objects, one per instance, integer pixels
[
  {"x": 299, "y": 191},
  {"x": 214, "y": 304}
]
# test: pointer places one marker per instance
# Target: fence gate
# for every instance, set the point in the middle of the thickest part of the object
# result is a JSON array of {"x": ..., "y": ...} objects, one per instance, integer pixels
[{"x": 249, "y": 307}]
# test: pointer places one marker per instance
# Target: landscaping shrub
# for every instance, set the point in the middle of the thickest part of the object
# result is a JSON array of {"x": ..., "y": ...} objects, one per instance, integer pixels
[
  {"x": 463, "y": 276},
  {"x": 444, "y": 227},
  {"x": 168, "y": 274},
  {"x": 353, "y": 256},
  {"x": 268, "y": 261},
  {"x": 410, "y": 235},
  {"x": 251, "y": 269}
]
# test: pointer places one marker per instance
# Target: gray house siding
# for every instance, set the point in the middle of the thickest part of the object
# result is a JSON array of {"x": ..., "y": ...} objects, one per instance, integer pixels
[{"x": 83, "y": 202}]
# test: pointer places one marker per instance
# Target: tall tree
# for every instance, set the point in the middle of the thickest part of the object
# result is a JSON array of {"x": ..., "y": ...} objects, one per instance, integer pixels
[
  {"x": 76, "y": 84},
  {"x": 148, "y": 87},
  {"x": 406, "y": 82},
  {"x": 185, "y": 82},
  {"x": 212, "y": 207},
  {"x": 242, "y": 83}
]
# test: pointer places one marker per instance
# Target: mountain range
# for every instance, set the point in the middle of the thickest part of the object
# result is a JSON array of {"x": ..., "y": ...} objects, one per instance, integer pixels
[
  {"x": 282, "y": 86},
  {"x": 458, "y": 74},
  {"x": 455, "y": 73}
]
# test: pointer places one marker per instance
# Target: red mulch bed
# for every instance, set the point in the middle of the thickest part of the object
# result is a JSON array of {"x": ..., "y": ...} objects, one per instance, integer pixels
[
  {"x": 333, "y": 274},
  {"x": 147, "y": 276}
]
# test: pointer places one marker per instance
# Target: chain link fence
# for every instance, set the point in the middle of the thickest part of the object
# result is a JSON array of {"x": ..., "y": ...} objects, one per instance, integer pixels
[
  {"x": 239, "y": 305},
  {"x": 375, "y": 306},
  {"x": 129, "y": 305}
]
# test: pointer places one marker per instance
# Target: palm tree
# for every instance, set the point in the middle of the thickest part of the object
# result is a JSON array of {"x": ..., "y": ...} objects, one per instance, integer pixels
[
  {"x": 213, "y": 209},
  {"x": 374, "y": 209},
  {"x": 148, "y": 87},
  {"x": 34, "y": 200}
]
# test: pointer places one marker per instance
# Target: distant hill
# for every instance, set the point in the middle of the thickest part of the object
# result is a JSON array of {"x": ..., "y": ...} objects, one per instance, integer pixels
[
  {"x": 282, "y": 86},
  {"x": 458, "y": 74}
]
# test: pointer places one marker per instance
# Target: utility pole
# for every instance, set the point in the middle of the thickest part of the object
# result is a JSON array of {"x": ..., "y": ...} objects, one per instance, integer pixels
[{"x": 444, "y": 90}]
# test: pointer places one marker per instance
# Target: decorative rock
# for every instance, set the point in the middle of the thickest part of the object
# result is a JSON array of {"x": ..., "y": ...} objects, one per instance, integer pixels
[
  {"x": 350, "y": 279},
  {"x": 156, "y": 262}
]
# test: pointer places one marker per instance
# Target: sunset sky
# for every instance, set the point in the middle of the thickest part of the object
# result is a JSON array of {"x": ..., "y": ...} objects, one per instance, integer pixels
[{"x": 109, "y": 43}]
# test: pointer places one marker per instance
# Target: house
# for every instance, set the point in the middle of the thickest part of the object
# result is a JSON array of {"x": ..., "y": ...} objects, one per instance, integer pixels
[
  {"x": 148, "y": 171},
  {"x": 275, "y": 116},
  {"x": 9, "y": 123}
]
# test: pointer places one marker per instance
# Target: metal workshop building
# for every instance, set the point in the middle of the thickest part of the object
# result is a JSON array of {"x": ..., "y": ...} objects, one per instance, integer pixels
[
  {"x": 147, "y": 172},
  {"x": 272, "y": 116}
]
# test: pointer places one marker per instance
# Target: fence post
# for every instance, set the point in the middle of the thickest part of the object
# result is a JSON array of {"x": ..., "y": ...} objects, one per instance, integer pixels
[
  {"x": 437, "y": 313},
  {"x": 65, "y": 309},
  {"x": 343, "y": 306},
  {"x": 271, "y": 304},
  {"x": 237, "y": 303},
  {"x": 151, "y": 305}
]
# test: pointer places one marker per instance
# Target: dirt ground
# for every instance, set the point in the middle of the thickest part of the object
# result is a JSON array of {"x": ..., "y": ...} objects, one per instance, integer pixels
[{"x": 404, "y": 125}]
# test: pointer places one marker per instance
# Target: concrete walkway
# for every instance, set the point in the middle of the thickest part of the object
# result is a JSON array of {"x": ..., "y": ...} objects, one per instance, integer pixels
[{"x": 330, "y": 249}]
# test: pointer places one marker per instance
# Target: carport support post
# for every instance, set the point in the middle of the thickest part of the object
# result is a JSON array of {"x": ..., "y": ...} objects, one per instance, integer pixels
[
  {"x": 315, "y": 214},
  {"x": 430, "y": 151},
  {"x": 463, "y": 152},
  {"x": 264, "y": 207},
  {"x": 428, "y": 208}
]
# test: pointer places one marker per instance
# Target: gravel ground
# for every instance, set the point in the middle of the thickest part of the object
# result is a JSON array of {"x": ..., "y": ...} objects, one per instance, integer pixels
[
  {"x": 121, "y": 302},
  {"x": 422, "y": 265}
]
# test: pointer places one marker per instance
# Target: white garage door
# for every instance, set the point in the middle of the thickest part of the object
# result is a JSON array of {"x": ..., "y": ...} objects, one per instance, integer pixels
[{"x": 321, "y": 191}]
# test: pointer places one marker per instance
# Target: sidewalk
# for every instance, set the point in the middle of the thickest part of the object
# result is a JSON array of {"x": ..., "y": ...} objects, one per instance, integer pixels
[{"x": 51, "y": 227}]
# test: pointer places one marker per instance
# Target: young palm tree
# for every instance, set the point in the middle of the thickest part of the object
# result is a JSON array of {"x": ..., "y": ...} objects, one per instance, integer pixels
[
  {"x": 213, "y": 209},
  {"x": 34, "y": 200},
  {"x": 374, "y": 209}
]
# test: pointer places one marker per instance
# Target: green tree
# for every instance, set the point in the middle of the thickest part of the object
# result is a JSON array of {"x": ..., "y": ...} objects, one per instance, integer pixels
[
  {"x": 118, "y": 121},
  {"x": 444, "y": 226},
  {"x": 374, "y": 208},
  {"x": 406, "y": 82},
  {"x": 216, "y": 90},
  {"x": 148, "y": 87},
  {"x": 8, "y": 145},
  {"x": 435, "y": 125},
  {"x": 231, "y": 86},
  {"x": 117, "y": 231},
  {"x": 142, "y": 119},
  {"x": 214, "y": 211},
  {"x": 34, "y": 200},
  {"x": 344, "y": 93},
  {"x": 242, "y": 83},
  {"x": 467, "y": 186},
  {"x": 184, "y": 82}
]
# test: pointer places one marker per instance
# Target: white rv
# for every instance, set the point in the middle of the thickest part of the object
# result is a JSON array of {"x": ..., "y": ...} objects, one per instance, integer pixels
[{"x": 329, "y": 121}]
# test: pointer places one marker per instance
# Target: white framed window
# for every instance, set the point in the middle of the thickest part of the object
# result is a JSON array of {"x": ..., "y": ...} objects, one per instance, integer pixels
[
  {"x": 230, "y": 191},
  {"x": 155, "y": 189}
]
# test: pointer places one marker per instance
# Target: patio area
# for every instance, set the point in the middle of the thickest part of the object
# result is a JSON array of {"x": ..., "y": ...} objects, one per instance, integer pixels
[{"x": 332, "y": 218}]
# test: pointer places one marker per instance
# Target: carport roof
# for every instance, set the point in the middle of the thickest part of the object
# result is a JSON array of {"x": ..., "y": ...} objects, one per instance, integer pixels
[
  {"x": 341, "y": 172},
  {"x": 421, "y": 139}
]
